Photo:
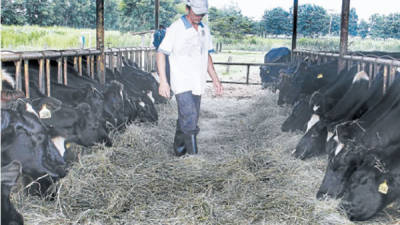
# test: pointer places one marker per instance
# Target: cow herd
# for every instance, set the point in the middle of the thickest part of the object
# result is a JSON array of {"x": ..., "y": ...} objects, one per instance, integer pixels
[
  {"x": 346, "y": 114},
  {"x": 36, "y": 132},
  {"x": 349, "y": 116}
]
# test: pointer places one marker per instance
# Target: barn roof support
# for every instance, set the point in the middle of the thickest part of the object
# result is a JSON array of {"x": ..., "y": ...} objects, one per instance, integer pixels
[
  {"x": 100, "y": 38},
  {"x": 294, "y": 34},
  {"x": 156, "y": 14},
  {"x": 344, "y": 32}
]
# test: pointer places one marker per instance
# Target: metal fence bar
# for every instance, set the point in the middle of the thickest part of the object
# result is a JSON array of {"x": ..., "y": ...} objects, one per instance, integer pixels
[
  {"x": 18, "y": 75},
  {"x": 48, "y": 76},
  {"x": 26, "y": 77}
]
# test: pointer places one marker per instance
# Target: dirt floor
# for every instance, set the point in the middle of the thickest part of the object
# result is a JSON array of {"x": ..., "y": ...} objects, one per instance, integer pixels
[{"x": 244, "y": 173}]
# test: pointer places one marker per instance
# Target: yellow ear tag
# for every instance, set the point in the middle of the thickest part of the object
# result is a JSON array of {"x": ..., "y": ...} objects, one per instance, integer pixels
[
  {"x": 68, "y": 145},
  {"x": 383, "y": 188},
  {"x": 44, "y": 113},
  {"x": 319, "y": 76}
]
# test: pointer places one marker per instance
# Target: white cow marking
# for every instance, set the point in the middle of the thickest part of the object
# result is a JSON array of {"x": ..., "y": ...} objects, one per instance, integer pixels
[
  {"x": 360, "y": 76},
  {"x": 150, "y": 94},
  {"x": 315, "y": 108},
  {"x": 59, "y": 143},
  {"x": 44, "y": 112},
  {"x": 330, "y": 134},
  {"x": 314, "y": 119},
  {"x": 142, "y": 104},
  {"x": 7, "y": 78},
  {"x": 30, "y": 109},
  {"x": 339, "y": 148}
]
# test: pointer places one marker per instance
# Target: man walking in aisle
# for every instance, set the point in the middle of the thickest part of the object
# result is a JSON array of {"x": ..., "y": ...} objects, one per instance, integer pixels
[{"x": 188, "y": 44}]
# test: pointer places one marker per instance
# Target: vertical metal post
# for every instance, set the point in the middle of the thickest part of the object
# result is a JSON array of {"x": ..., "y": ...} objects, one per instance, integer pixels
[
  {"x": 294, "y": 34},
  {"x": 156, "y": 13},
  {"x": 88, "y": 65},
  {"x": 18, "y": 75},
  {"x": 92, "y": 66},
  {"x": 100, "y": 38},
  {"x": 80, "y": 65},
  {"x": 59, "y": 71},
  {"x": 26, "y": 76},
  {"x": 48, "y": 76},
  {"x": 344, "y": 32},
  {"x": 41, "y": 76},
  {"x": 385, "y": 78},
  {"x": 65, "y": 71},
  {"x": 248, "y": 74}
]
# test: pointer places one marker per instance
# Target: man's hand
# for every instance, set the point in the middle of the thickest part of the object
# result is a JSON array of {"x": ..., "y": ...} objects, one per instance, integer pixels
[
  {"x": 164, "y": 90},
  {"x": 218, "y": 88}
]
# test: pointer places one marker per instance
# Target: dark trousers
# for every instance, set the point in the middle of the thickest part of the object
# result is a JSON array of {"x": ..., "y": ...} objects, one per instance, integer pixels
[{"x": 188, "y": 112}]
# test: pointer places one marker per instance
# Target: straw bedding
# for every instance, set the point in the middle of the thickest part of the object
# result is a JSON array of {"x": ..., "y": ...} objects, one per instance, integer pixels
[{"x": 244, "y": 173}]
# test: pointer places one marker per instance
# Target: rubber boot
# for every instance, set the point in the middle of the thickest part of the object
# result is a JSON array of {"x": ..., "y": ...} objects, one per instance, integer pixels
[
  {"x": 179, "y": 142},
  {"x": 191, "y": 144}
]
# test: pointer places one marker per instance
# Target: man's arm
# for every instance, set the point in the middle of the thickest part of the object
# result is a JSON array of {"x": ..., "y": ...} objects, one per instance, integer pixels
[
  {"x": 163, "y": 89},
  {"x": 214, "y": 77}
]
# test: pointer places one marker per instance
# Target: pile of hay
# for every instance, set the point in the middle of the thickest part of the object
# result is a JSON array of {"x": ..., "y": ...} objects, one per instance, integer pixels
[{"x": 244, "y": 173}]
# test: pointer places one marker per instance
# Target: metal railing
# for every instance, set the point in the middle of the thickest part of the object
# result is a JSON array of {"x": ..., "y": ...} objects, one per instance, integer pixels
[
  {"x": 248, "y": 65},
  {"x": 144, "y": 57},
  {"x": 371, "y": 65}
]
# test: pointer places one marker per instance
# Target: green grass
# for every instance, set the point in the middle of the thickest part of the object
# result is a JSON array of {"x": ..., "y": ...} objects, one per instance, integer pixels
[{"x": 22, "y": 38}]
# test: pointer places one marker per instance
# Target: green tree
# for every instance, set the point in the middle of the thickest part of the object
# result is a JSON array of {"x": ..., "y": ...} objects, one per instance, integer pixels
[
  {"x": 353, "y": 20},
  {"x": 229, "y": 23},
  {"x": 334, "y": 24},
  {"x": 312, "y": 20},
  {"x": 13, "y": 12},
  {"x": 37, "y": 12},
  {"x": 377, "y": 25},
  {"x": 138, "y": 15},
  {"x": 276, "y": 21},
  {"x": 363, "y": 29},
  {"x": 392, "y": 27}
]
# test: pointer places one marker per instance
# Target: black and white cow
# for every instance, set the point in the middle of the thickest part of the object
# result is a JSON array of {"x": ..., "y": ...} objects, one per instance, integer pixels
[
  {"x": 371, "y": 130},
  {"x": 374, "y": 184},
  {"x": 27, "y": 140}
]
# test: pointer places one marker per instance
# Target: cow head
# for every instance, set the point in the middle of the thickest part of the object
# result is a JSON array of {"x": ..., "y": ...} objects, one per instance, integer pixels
[
  {"x": 28, "y": 140},
  {"x": 89, "y": 129},
  {"x": 341, "y": 164},
  {"x": 297, "y": 120},
  {"x": 114, "y": 103},
  {"x": 313, "y": 142},
  {"x": 145, "y": 109},
  {"x": 372, "y": 187},
  {"x": 9, "y": 176}
]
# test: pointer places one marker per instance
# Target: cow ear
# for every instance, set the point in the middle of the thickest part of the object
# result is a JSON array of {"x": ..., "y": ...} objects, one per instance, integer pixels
[{"x": 10, "y": 173}]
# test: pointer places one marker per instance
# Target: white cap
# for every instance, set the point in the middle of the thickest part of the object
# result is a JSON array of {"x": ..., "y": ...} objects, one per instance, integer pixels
[{"x": 198, "y": 6}]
